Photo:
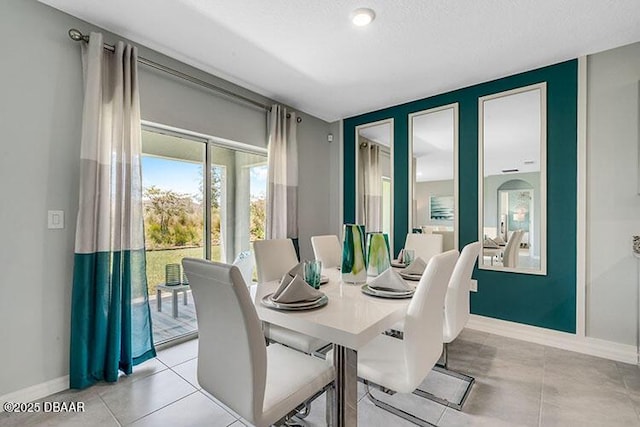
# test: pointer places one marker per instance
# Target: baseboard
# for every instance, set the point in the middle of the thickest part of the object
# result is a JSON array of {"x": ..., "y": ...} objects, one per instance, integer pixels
[
  {"x": 37, "y": 391},
  {"x": 565, "y": 341}
]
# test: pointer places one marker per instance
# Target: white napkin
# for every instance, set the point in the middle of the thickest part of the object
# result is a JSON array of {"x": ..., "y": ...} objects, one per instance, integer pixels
[
  {"x": 295, "y": 290},
  {"x": 417, "y": 267},
  {"x": 490, "y": 243},
  {"x": 389, "y": 280},
  {"x": 298, "y": 270}
]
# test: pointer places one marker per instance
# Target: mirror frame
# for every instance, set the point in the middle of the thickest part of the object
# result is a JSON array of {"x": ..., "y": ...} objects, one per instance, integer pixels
[
  {"x": 542, "y": 271},
  {"x": 391, "y": 172},
  {"x": 456, "y": 207}
]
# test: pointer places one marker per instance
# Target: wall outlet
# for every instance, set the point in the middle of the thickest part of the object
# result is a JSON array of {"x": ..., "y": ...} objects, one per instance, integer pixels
[
  {"x": 330, "y": 137},
  {"x": 474, "y": 285},
  {"x": 55, "y": 219}
]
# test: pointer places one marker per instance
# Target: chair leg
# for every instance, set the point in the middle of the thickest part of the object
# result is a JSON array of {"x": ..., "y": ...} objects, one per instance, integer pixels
[
  {"x": 455, "y": 405},
  {"x": 396, "y": 411}
]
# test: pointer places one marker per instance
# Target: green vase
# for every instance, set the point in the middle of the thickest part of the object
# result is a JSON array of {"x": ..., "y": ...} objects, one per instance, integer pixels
[
  {"x": 378, "y": 258},
  {"x": 354, "y": 266}
]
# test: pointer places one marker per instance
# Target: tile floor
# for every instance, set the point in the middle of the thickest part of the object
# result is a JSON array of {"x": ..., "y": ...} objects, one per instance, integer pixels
[{"x": 517, "y": 384}]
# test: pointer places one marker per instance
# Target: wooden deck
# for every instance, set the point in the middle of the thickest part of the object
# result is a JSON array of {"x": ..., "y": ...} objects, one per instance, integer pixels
[{"x": 165, "y": 327}]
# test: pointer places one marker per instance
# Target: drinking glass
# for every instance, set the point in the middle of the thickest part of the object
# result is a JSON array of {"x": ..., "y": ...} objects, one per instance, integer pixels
[
  {"x": 313, "y": 273},
  {"x": 409, "y": 256}
]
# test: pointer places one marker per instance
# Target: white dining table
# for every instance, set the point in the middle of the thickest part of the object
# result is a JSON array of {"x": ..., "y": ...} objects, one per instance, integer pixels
[{"x": 350, "y": 320}]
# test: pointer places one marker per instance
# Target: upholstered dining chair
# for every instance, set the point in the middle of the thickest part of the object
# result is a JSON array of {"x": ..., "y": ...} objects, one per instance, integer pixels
[
  {"x": 263, "y": 384},
  {"x": 425, "y": 246},
  {"x": 328, "y": 250},
  {"x": 401, "y": 365},
  {"x": 510, "y": 257},
  {"x": 274, "y": 258}
]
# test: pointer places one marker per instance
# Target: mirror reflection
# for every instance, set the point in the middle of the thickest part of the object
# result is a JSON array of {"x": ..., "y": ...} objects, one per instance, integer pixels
[
  {"x": 513, "y": 177},
  {"x": 374, "y": 164},
  {"x": 434, "y": 201}
]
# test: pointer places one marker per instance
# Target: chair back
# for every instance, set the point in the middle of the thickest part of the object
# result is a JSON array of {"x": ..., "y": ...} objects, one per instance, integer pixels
[
  {"x": 328, "y": 250},
  {"x": 274, "y": 258},
  {"x": 425, "y": 246},
  {"x": 232, "y": 355},
  {"x": 244, "y": 262},
  {"x": 456, "y": 301},
  {"x": 510, "y": 257},
  {"x": 423, "y": 321},
  {"x": 448, "y": 240}
]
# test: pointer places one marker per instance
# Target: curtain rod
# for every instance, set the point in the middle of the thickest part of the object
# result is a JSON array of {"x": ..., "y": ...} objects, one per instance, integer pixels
[{"x": 76, "y": 35}]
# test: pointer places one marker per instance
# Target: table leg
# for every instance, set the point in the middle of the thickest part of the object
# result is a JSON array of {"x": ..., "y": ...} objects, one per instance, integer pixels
[
  {"x": 345, "y": 411},
  {"x": 175, "y": 304},
  {"x": 184, "y": 297},
  {"x": 159, "y": 299}
]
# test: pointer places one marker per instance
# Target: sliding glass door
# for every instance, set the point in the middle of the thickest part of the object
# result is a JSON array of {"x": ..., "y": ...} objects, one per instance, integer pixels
[{"x": 190, "y": 213}]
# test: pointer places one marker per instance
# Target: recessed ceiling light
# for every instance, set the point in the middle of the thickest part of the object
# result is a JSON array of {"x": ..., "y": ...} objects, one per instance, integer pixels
[{"x": 362, "y": 17}]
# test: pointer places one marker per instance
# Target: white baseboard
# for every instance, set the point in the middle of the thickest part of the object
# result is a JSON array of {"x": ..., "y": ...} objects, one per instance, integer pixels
[
  {"x": 586, "y": 345},
  {"x": 37, "y": 391}
]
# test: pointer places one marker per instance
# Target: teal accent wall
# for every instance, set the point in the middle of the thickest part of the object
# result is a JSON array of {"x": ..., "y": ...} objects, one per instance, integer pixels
[{"x": 546, "y": 301}]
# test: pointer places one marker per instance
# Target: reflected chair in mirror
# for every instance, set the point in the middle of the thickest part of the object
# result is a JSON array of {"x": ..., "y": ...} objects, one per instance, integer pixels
[
  {"x": 274, "y": 258},
  {"x": 425, "y": 246},
  {"x": 264, "y": 385},
  {"x": 328, "y": 250},
  {"x": 456, "y": 315},
  {"x": 395, "y": 365},
  {"x": 511, "y": 251}
]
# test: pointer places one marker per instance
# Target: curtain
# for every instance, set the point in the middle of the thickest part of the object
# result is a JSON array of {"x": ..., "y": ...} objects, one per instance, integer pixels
[
  {"x": 110, "y": 315},
  {"x": 282, "y": 201},
  {"x": 370, "y": 186}
]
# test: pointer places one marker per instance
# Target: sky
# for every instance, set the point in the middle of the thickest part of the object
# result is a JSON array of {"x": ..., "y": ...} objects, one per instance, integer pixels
[{"x": 185, "y": 177}]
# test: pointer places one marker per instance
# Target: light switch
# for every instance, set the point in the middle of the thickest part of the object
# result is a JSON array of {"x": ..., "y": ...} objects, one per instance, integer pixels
[{"x": 55, "y": 219}]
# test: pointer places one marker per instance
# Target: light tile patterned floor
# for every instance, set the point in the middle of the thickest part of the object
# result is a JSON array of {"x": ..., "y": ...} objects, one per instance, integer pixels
[{"x": 517, "y": 384}]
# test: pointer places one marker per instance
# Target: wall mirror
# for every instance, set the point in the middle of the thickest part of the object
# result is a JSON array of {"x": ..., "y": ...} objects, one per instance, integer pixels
[
  {"x": 512, "y": 180},
  {"x": 374, "y": 177},
  {"x": 433, "y": 173}
]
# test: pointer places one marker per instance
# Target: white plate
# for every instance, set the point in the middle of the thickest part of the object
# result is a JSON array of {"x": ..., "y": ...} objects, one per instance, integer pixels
[
  {"x": 294, "y": 306},
  {"x": 386, "y": 294},
  {"x": 324, "y": 279},
  {"x": 397, "y": 264},
  {"x": 406, "y": 276}
]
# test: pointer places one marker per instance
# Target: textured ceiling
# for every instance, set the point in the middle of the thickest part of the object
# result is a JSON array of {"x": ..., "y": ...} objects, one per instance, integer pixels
[{"x": 308, "y": 54}]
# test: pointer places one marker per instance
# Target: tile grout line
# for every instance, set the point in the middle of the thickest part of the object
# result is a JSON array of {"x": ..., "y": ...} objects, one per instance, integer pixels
[
  {"x": 109, "y": 410},
  {"x": 168, "y": 404},
  {"x": 544, "y": 374},
  {"x": 628, "y": 392}
]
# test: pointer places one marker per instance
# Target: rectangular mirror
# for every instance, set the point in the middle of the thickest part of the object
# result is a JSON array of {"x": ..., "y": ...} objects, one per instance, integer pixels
[
  {"x": 374, "y": 177},
  {"x": 512, "y": 180},
  {"x": 433, "y": 173}
]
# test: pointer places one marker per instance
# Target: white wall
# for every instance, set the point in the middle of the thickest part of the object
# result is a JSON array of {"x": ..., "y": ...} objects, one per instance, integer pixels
[
  {"x": 40, "y": 117},
  {"x": 424, "y": 190},
  {"x": 613, "y": 203}
]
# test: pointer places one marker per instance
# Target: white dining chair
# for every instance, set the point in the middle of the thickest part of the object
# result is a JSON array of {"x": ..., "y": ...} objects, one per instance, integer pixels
[
  {"x": 401, "y": 365},
  {"x": 262, "y": 384},
  {"x": 448, "y": 239},
  {"x": 425, "y": 246},
  {"x": 456, "y": 315},
  {"x": 328, "y": 250},
  {"x": 274, "y": 258},
  {"x": 511, "y": 251}
]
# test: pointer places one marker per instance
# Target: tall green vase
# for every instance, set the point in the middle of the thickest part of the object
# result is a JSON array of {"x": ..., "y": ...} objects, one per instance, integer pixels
[
  {"x": 378, "y": 258},
  {"x": 354, "y": 265}
]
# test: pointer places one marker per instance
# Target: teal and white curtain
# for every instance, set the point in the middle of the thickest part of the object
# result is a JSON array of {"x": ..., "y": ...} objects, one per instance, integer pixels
[
  {"x": 370, "y": 185},
  {"x": 282, "y": 201},
  {"x": 110, "y": 316}
]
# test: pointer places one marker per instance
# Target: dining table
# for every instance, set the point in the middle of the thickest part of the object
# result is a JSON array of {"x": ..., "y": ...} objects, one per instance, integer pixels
[{"x": 349, "y": 320}]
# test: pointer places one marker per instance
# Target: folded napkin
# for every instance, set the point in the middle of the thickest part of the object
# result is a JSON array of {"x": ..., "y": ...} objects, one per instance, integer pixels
[
  {"x": 499, "y": 240},
  {"x": 298, "y": 270},
  {"x": 389, "y": 280},
  {"x": 490, "y": 243},
  {"x": 295, "y": 289},
  {"x": 417, "y": 267}
]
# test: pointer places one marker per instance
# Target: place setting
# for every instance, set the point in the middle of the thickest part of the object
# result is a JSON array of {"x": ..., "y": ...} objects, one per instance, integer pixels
[
  {"x": 299, "y": 289},
  {"x": 414, "y": 270},
  {"x": 389, "y": 284}
]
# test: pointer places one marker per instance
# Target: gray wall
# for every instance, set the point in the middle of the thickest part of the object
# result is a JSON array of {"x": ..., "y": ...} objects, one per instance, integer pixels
[
  {"x": 613, "y": 203},
  {"x": 40, "y": 116}
]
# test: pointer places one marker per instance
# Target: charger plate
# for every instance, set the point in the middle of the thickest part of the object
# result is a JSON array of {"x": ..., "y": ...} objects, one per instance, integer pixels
[
  {"x": 386, "y": 294},
  {"x": 414, "y": 277},
  {"x": 294, "y": 306}
]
